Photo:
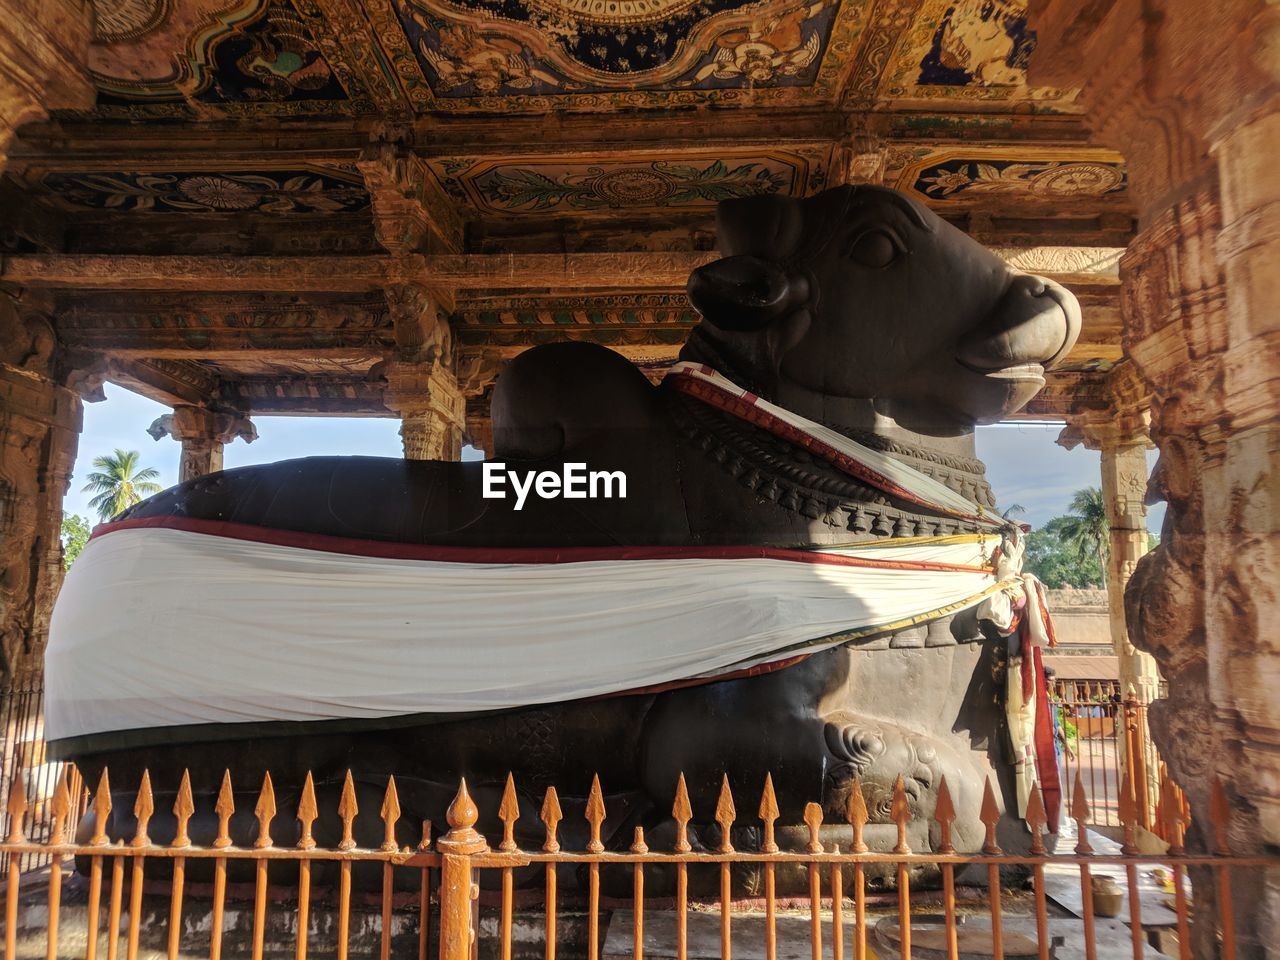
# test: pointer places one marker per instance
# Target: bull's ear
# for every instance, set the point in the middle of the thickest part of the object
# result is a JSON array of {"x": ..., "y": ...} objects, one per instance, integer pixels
[
  {"x": 764, "y": 226},
  {"x": 744, "y": 293}
]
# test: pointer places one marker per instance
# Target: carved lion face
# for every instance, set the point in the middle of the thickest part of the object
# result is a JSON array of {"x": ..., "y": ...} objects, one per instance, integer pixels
[{"x": 862, "y": 293}]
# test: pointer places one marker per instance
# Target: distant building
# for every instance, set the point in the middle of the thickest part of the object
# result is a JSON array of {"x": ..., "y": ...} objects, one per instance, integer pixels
[{"x": 1083, "y": 627}]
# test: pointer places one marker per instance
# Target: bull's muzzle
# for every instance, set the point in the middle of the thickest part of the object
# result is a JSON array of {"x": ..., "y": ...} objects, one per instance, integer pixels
[{"x": 1035, "y": 324}]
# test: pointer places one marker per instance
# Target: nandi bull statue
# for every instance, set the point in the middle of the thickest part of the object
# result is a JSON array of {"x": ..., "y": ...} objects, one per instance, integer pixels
[{"x": 806, "y": 576}]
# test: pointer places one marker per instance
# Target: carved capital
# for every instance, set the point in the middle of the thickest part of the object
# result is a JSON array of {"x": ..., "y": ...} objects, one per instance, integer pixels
[
  {"x": 1117, "y": 415},
  {"x": 192, "y": 423},
  {"x": 431, "y": 408},
  {"x": 411, "y": 214},
  {"x": 203, "y": 432},
  {"x": 477, "y": 372}
]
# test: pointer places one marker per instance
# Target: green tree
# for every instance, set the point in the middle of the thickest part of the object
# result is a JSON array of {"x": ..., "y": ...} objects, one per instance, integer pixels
[
  {"x": 118, "y": 483},
  {"x": 1055, "y": 559},
  {"x": 75, "y": 534},
  {"x": 1086, "y": 528}
]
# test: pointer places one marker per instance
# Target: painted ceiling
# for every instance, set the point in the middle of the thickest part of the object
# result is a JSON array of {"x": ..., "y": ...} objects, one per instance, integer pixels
[
  {"x": 949, "y": 72},
  {"x": 236, "y": 57},
  {"x": 641, "y": 181}
]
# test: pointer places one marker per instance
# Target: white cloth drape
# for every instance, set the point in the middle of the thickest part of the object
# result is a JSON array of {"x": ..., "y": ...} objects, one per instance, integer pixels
[{"x": 159, "y": 627}]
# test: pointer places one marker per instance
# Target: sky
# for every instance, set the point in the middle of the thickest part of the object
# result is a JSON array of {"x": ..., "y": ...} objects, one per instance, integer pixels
[{"x": 1024, "y": 465}]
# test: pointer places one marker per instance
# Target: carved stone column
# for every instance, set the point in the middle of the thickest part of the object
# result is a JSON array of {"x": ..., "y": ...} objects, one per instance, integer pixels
[
  {"x": 43, "y": 48},
  {"x": 477, "y": 372},
  {"x": 422, "y": 388},
  {"x": 203, "y": 433},
  {"x": 1196, "y": 113},
  {"x": 39, "y": 428},
  {"x": 432, "y": 411},
  {"x": 1121, "y": 433}
]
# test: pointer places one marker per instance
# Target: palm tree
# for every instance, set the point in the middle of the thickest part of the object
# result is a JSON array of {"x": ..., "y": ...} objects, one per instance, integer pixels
[
  {"x": 1086, "y": 527},
  {"x": 119, "y": 484}
]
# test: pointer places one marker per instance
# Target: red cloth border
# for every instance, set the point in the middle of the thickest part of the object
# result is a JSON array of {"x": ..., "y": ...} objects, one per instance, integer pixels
[
  {"x": 759, "y": 670},
  {"x": 495, "y": 555},
  {"x": 1046, "y": 750}
]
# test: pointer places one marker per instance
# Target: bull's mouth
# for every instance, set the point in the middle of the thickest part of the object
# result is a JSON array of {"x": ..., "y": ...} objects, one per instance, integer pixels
[{"x": 1030, "y": 372}]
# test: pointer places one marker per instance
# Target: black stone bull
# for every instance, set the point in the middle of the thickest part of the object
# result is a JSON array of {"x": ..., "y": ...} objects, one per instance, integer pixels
[{"x": 858, "y": 308}]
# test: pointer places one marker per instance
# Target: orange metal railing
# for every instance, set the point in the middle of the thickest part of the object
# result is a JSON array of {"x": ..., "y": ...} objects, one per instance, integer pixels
[
  {"x": 837, "y": 876},
  {"x": 1102, "y": 736},
  {"x": 22, "y": 755}
]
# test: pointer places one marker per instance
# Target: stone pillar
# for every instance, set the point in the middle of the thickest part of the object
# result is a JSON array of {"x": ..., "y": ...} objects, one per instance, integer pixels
[
  {"x": 43, "y": 48},
  {"x": 203, "y": 433},
  {"x": 477, "y": 373},
  {"x": 1123, "y": 443},
  {"x": 39, "y": 429},
  {"x": 422, "y": 387},
  {"x": 431, "y": 408},
  {"x": 1196, "y": 112}
]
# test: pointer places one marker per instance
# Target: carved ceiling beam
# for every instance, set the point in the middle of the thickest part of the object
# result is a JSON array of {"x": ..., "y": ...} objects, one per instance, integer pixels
[
  {"x": 341, "y": 274},
  {"x": 171, "y": 382},
  {"x": 220, "y": 326},
  {"x": 69, "y": 144},
  {"x": 349, "y": 396},
  {"x": 208, "y": 273},
  {"x": 266, "y": 353},
  {"x": 68, "y": 141},
  {"x": 342, "y": 139},
  {"x": 573, "y": 271}
]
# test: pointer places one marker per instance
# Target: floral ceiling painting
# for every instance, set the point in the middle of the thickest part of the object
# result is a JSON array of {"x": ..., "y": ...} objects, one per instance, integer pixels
[
  {"x": 948, "y": 178},
  {"x": 266, "y": 191},
  {"x": 698, "y": 181},
  {"x": 649, "y": 51}
]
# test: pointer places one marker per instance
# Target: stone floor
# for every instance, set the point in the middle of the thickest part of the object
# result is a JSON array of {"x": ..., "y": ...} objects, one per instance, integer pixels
[
  {"x": 928, "y": 938},
  {"x": 1062, "y": 882}
]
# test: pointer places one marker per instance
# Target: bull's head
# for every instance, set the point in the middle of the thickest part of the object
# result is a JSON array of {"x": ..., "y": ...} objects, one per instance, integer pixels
[{"x": 862, "y": 295}]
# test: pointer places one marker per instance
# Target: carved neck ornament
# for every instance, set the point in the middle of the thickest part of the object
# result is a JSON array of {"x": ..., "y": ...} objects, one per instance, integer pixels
[{"x": 869, "y": 466}]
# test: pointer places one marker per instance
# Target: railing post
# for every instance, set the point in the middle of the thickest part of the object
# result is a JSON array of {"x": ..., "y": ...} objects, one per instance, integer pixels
[
  {"x": 457, "y": 889},
  {"x": 1136, "y": 762}
]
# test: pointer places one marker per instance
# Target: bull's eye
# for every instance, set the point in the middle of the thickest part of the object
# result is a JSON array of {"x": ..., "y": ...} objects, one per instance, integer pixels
[{"x": 875, "y": 248}]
